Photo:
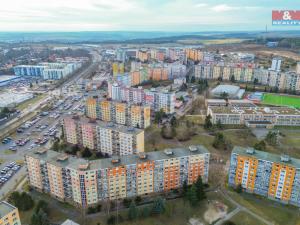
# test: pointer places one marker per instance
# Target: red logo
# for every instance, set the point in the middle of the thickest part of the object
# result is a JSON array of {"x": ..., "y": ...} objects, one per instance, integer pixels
[{"x": 286, "y": 15}]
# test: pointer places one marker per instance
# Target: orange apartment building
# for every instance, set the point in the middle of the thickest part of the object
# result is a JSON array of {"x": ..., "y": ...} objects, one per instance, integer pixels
[
  {"x": 86, "y": 183},
  {"x": 274, "y": 176}
]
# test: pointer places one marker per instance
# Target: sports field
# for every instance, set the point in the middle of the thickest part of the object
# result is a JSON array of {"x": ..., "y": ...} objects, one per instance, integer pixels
[{"x": 284, "y": 100}]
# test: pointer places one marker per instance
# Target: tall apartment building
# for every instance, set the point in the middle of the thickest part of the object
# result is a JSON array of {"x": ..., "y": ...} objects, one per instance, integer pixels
[
  {"x": 255, "y": 116},
  {"x": 142, "y": 55},
  {"x": 108, "y": 138},
  {"x": 157, "y": 99},
  {"x": 118, "y": 112},
  {"x": 118, "y": 68},
  {"x": 194, "y": 54},
  {"x": 85, "y": 183},
  {"x": 9, "y": 214},
  {"x": 274, "y": 176}
]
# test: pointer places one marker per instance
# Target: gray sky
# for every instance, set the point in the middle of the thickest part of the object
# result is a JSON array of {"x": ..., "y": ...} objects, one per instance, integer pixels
[{"x": 139, "y": 15}]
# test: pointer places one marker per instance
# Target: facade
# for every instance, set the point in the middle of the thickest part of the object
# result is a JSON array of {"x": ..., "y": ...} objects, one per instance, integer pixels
[
  {"x": 108, "y": 138},
  {"x": 118, "y": 112},
  {"x": 278, "y": 116},
  {"x": 9, "y": 214},
  {"x": 86, "y": 183},
  {"x": 266, "y": 174},
  {"x": 157, "y": 99},
  {"x": 47, "y": 71}
]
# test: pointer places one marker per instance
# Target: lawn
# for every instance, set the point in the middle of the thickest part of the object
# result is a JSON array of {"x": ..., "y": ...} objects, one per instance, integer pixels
[
  {"x": 270, "y": 210},
  {"x": 281, "y": 100},
  {"x": 177, "y": 212},
  {"x": 243, "y": 218}
]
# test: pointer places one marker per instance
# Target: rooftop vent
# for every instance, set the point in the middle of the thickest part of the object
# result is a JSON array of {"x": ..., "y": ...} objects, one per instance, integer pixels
[
  {"x": 115, "y": 160},
  {"x": 142, "y": 155},
  {"x": 84, "y": 166},
  {"x": 250, "y": 151},
  {"x": 62, "y": 157},
  {"x": 168, "y": 152},
  {"x": 285, "y": 158},
  {"x": 193, "y": 148},
  {"x": 41, "y": 151}
]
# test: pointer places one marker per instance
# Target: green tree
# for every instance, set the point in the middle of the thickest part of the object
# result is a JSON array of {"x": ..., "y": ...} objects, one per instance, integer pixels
[
  {"x": 22, "y": 201},
  {"x": 111, "y": 220},
  {"x": 239, "y": 188},
  {"x": 184, "y": 188},
  {"x": 207, "y": 122},
  {"x": 42, "y": 205},
  {"x": 271, "y": 138},
  {"x": 173, "y": 121},
  {"x": 224, "y": 95},
  {"x": 133, "y": 211},
  {"x": 39, "y": 218},
  {"x": 158, "y": 206},
  {"x": 219, "y": 141},
  {"x": 86, "y": 153},
  {"x": 228, "y": 222},
  {"x": 138, "y": 200},
  {"x": 200, "y": 189},
  {"x": 55, "y": 145},
  {"x": 232, "y": 79},
  {"x": 260, "y": 145},
  {"x": 219, "y": 124},
  {"x": 126, "y": 202},
  {"x": 192, "y": 196},
  {"x": 145, "y": 212}
]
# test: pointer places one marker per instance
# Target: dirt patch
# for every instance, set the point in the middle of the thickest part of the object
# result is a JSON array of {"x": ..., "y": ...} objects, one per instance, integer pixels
[{"x": 216, "y": 210}]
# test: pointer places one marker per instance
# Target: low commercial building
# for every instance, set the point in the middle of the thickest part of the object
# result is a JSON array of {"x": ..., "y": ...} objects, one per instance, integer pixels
[
  {"x": 108, "y": 138},
  {"x": 8, "y": 79},
  {"x": 232, "y": 91},
  {"x": 118, "y": 112},
  {"x": 86, "y": 183},
  {"x": 47, "y": 71},
  {"x": 270, "y": 175},
  {"x": 261, "y": 116},
  {"x": 9, "y": 214}
]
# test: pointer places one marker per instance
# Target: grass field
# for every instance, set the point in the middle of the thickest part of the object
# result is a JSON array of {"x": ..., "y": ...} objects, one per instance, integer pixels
[
  {"x": 212, "y": 42},
  {"x": 282, "y": 100},
  {"x": 243, "y": 218},
  {"x": 274, "y": 212}
]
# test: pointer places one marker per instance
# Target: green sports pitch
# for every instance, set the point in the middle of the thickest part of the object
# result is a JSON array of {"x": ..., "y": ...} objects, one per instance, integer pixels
[{"x": 281, "y": 100}]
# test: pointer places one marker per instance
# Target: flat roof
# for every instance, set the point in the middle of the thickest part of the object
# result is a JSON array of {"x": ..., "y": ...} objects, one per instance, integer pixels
[
  {"x": 107, "y": 125},
  {"x": 255, "y": 110},
  {"x": 73, "y": 162},
  {"x": 5, "y": 208},
  {"x": 4, "y": 78},
  {"x": 266, "y": 156}
]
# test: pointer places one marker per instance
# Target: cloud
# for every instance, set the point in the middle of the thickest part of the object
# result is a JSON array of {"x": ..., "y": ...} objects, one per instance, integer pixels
[{"x": 224, "y": 8}]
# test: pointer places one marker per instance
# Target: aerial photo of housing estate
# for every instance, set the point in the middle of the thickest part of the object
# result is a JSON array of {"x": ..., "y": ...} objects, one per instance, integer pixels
[{"x": 145, "y": 112}]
